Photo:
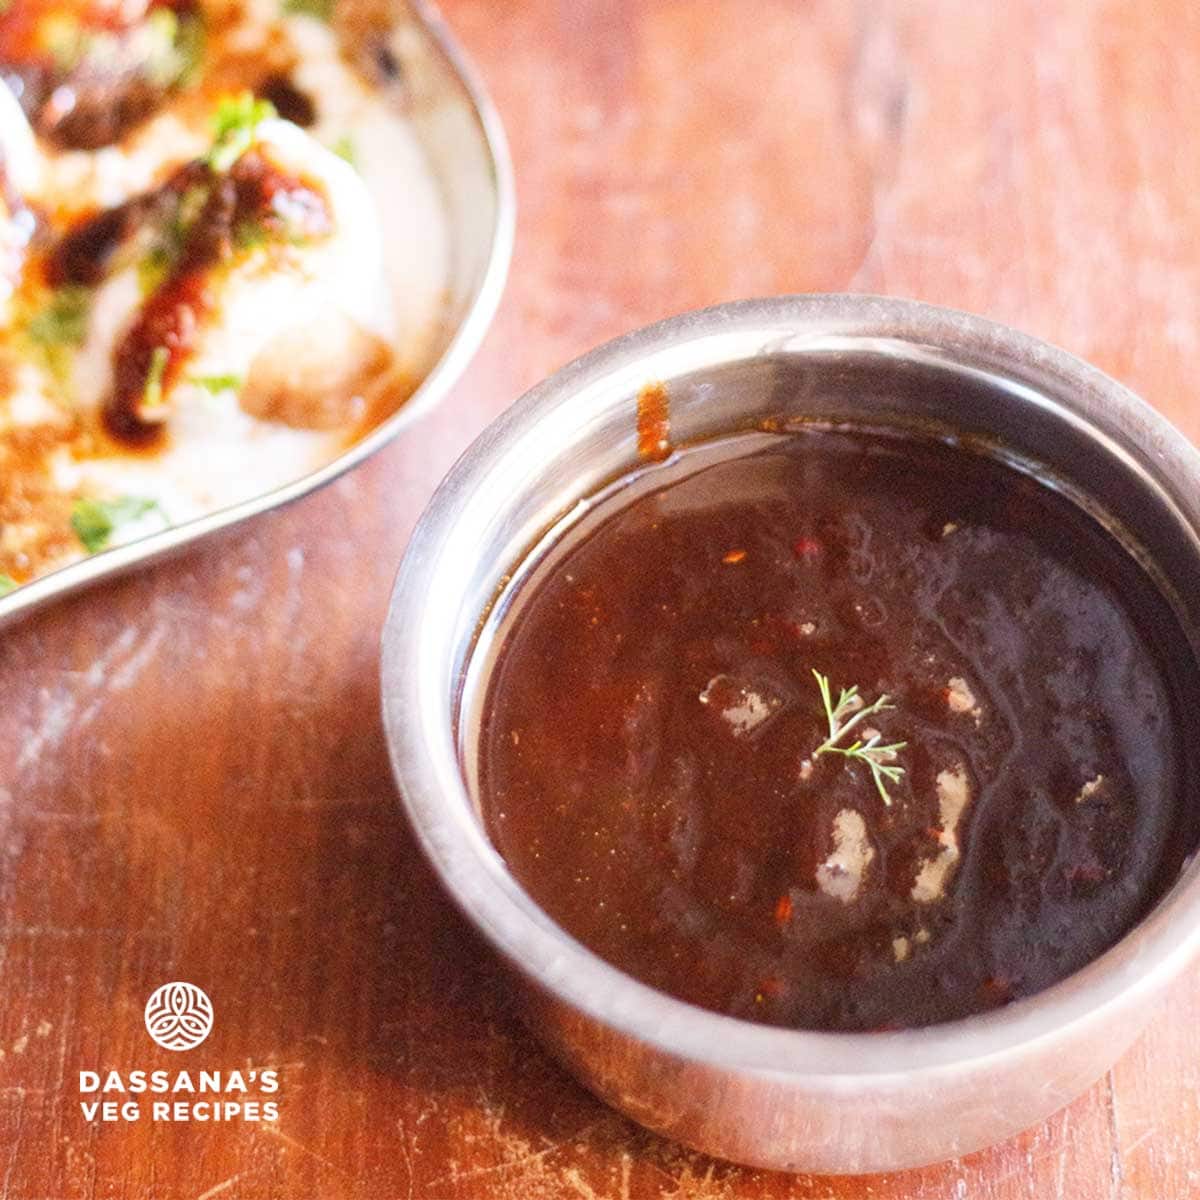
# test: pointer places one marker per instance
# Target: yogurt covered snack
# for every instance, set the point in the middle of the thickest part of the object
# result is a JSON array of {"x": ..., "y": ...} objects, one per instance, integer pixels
[{"x": 223, "y": 259}]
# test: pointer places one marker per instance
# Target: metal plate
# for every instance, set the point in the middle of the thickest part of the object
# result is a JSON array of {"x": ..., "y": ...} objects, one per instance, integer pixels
[{"x": 464, "y": 142}]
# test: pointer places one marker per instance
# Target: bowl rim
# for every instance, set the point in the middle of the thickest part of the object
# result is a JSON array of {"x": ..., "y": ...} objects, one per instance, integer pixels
[{"x": 475, "y": 875}]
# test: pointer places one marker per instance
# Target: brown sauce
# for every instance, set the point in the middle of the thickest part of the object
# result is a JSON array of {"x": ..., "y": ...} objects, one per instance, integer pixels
[
  {"x": 288, "y": 100},
  {"x": 653, "y": 423},
  {"x": 648, "y": 730}
]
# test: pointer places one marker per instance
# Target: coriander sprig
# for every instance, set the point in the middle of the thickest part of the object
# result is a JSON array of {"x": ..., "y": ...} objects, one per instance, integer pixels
[
  {"x": 235, "y": 126},
  {"x": 57, "y": 329},
  {"x": 879, "y": 758},
  {"x": 95, "y": 521},
  {"x": 214, "y": 385},
  {"x": 152, "y": 393}
]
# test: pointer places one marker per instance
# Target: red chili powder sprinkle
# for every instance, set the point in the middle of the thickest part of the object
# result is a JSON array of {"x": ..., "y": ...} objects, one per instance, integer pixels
[
  {"x": 783, "y": 909},
  {"x": 734, "y": 556}
]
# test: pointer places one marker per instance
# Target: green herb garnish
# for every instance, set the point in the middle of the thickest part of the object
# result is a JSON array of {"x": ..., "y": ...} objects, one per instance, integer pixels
[
  {"x": 880, "y": 758},
  {"x": 154, "y": 269},
  {"x": 7, "y": 584},
  {"x": 345, "y": 148},
  {"x": 216, "y": 384},
  {"x": 60, "y": 326},
  {"x": 249, "y": 234},
  {"x": 191, "y": 205},
  {"x": 95, "y": 521},
  {"x": 63, "y": 321},
  {"x": 152, "y": 395},
  {"x": 162, "y": 65},
  {"x": 176, "y": 50},
  {"x": 322, "y": 10},
  {"x": 190, "y": 44},
  {"x": 234, "y": 127}
]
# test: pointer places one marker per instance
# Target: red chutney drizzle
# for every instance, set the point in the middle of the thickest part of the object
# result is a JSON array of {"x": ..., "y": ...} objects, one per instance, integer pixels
[
  {"x": 84, "y": 255},
  {"x": 255, "y": 200},
  {"x": 679, "y": 821}
]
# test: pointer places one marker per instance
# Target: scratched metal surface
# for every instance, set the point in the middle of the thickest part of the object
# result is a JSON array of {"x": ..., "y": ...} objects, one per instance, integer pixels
[{"x": 193, "y": 782}]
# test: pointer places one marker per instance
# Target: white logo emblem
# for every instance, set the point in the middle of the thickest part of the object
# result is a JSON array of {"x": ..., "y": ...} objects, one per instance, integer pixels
[{"x": 179, "y": 1016}]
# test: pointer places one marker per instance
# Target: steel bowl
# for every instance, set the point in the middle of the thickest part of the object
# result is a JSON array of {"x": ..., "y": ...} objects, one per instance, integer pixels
[
  {"x": 794, "y": 1100},
  {"x": 460, "y": 131}
]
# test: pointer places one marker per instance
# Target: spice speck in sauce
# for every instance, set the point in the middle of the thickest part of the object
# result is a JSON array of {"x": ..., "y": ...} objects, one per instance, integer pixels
[{"x": 653, "y": 423}]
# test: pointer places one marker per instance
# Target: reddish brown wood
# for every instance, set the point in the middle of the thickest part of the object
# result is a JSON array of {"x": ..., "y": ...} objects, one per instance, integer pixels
[{"x": 194, "y": 781}]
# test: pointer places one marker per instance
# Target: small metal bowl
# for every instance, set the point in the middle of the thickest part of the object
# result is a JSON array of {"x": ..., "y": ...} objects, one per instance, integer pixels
[
  {"x": 459, "y": 129},
  {"x": 799, "y": 1101}
]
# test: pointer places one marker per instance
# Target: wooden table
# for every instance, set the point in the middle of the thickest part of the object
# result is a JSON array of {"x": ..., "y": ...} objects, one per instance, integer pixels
[{"x": 195, "y": 784}]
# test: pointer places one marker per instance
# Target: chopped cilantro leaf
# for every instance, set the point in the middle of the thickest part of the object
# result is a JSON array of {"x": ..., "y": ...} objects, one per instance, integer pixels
[
  {"x": 59, "y": 327},
  {"x": 234, "y": 125},
  {"x": 63, "y": 321},
  {"x": 191, "y": 205},
  {"x": 7, "y": 584},
  {"x": 95, "y": 521},
  {"x": 152, "y": 396},
  {"x": 345, "y": 148},
  {"x": 216, "y": 384},
  {"x": 249, "y": 234},
  {"x": 154, "y": 269},
  {"x": 176, "y": 47},
  {"x": 190, "y": 44},
  {"x": 322, "y": 10}
]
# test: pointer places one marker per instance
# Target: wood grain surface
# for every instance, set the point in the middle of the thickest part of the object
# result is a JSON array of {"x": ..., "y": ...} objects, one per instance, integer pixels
[{"x": 194, "y": 782}]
